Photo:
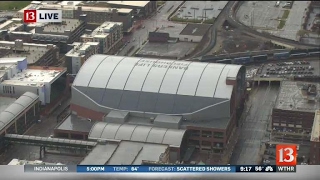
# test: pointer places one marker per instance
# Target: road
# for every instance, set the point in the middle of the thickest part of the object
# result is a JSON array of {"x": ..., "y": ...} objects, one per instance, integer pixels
[
  {"x": 247, "y": 30},
  {"x": 254, "y": 126},
  {"x": 43, "y": 129},
  {"x": 141, "y": 35}
]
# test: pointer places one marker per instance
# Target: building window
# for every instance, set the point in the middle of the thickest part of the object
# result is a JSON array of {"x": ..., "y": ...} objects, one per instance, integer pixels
[
  {"x": 217, "y": 151},
  {"x": 207, "y": 134},
  {"x": 13, "y": 90},
  {"x": 195, "y": 133},
  {"x": 206, "y": 143},
  {"x": 37, "y": 91},
  {"x": 218, "y": 135}
]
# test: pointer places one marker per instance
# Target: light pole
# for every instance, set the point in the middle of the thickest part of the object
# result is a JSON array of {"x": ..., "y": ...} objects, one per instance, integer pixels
[
  {"x": 205, "y": 12},
  {"x": 194, "y": 13}
]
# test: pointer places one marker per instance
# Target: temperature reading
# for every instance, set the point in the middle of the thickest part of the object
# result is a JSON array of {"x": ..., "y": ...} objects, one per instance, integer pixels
[
  {"x": 134, "y": 168},
  {"x": 258, "y": 168}
]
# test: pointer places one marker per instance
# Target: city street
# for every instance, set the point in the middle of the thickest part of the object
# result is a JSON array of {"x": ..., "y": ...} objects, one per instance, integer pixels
[
  {"x": 43, "y": 129},
  {"x": 255, "y": 124},
  {"x": 141, "y": 35}
]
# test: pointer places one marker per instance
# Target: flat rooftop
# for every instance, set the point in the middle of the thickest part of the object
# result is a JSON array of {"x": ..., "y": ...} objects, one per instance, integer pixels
[
  {"x": 130, "y": 3},
  {"x": 195, "y": 29},
  {"x": 174, "y": 30},
  {"x": 79, "y": 49},
  {"x": 124, "y": 153},
  {"x": 67, "y": 24},
  {"x": 35, "y": 77},
  {"x": 169, "y": 50},
  {"x": 315, "y": 133},
  {"x": 291, "y": 98},
  {"x": 102, "y": 31},
  {"x": 75, "y": 123},
  {"x": 11, "y": 25},
  {"x": 33, "y": 52},
  {"x": 26, "y": 162},
  {"x": 6, "y": 102}
]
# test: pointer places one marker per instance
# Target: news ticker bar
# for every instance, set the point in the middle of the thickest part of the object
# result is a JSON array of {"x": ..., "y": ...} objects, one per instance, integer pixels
[{"x": 159, "y": 169}]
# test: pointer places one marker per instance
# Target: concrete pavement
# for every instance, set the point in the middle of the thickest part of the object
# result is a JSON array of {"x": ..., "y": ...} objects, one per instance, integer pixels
[
  {"x": 158, "y": 20},
  {"x": 255, "y": 124}
]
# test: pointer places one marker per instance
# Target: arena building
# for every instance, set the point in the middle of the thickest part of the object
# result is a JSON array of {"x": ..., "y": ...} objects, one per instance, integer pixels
[{"x": 205, "y": 99}]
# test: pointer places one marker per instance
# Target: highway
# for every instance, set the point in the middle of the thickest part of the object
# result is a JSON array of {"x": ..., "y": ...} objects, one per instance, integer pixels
[
  {"x": 228, "y": 14},
  {"x": 231, "y": 19}
]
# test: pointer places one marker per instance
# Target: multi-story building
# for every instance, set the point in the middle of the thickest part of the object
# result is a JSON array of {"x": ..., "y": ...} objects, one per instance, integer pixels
[
  {"x": 315, "y": 140},
  {"x": 109, "y": 36},
  {"x": 46, "y": 82},
  {"x": 293, "y": 113},
  {"x": 95, "y": 15},
  {"x": 79, "y": 53},
  {"x": 25, "y": 162},
  {"x": 36, "y": 54},
  {"x": 140, "y": 8},
  {"x": 203, "y": 99},
  {"x": 60, "y": 34}
]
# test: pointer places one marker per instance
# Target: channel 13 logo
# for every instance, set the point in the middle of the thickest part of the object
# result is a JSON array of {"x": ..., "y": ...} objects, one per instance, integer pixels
[{"x": 286, "y": 155}]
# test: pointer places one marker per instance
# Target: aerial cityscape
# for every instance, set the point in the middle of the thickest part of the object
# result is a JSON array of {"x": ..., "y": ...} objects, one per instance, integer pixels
[{"x": 159, "y": 82}]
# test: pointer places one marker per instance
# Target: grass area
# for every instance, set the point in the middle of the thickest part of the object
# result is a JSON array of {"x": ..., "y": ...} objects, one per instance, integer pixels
[
  {"x": 160, "y": 3},
  {"x": 284, "y": 19},
  {"x": 13, "y": 5},
  {"x": 177, "y": 19},
  {"x": 285, "y": 14},
  {"x": 209, "y": 21},
  {"x": 281, "y": 24}
]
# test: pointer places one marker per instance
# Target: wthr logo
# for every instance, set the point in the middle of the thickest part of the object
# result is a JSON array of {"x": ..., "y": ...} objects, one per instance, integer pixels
[
  {"x": 286, "y": 155},
  {"x": 32, "y": 16}
]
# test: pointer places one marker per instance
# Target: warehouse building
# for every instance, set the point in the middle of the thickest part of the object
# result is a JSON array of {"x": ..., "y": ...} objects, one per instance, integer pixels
[
  {"x": 79, "y": 53},
  {"x": 17, "y": 78},
  {"x": 36, "y": 54},
  {"x": 293, "y": 113},
  {"x": 140, "y": 8},
  {"x": 95, "y": 15},
  {"x": 17, "y": 115},
  {"x": 108, "y": 34},
  {"x": 205, "y": 99},
  {"x": 315, "y": 140},
  {"x": 194, "y": 32}
]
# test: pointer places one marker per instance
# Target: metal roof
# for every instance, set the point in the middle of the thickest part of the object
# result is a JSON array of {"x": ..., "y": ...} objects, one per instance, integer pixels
[
  {"x": 16, "y": 108},
  {"x": 110, "y": 131},
  {"x": 152, "y": 85},
  {"x": 195, "y": 29}
]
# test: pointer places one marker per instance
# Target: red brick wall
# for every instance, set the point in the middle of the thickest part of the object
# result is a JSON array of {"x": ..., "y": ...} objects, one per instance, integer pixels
[{"x": 87, "y": 113}]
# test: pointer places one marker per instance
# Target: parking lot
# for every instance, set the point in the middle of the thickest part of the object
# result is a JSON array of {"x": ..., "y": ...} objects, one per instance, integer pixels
[
  {"x": 260, "y": 14},
  {"x": 294, "y": 21},
  {"x": 204, "y": 10},
  {"x": 265, "y": 16},
  {"x": 289, "y": 69}
]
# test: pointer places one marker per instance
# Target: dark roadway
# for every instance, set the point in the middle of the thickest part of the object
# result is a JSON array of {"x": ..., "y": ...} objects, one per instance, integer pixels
[{"x": 255, "y": 124}]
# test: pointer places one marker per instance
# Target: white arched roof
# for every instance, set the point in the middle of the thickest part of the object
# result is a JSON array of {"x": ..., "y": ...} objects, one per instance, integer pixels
[
  {"x": 110, "y": 131},
  {"x": 155, "y": 86},
  {"x": 16, "y": 108},
  {"x": 157, "y": 76}
]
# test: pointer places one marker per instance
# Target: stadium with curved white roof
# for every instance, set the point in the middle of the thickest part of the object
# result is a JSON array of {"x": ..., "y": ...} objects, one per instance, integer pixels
[{"x": 200, "y": 97}]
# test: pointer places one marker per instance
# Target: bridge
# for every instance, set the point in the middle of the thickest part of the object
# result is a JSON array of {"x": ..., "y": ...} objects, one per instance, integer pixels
[{"x": 44, "y": 142}]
